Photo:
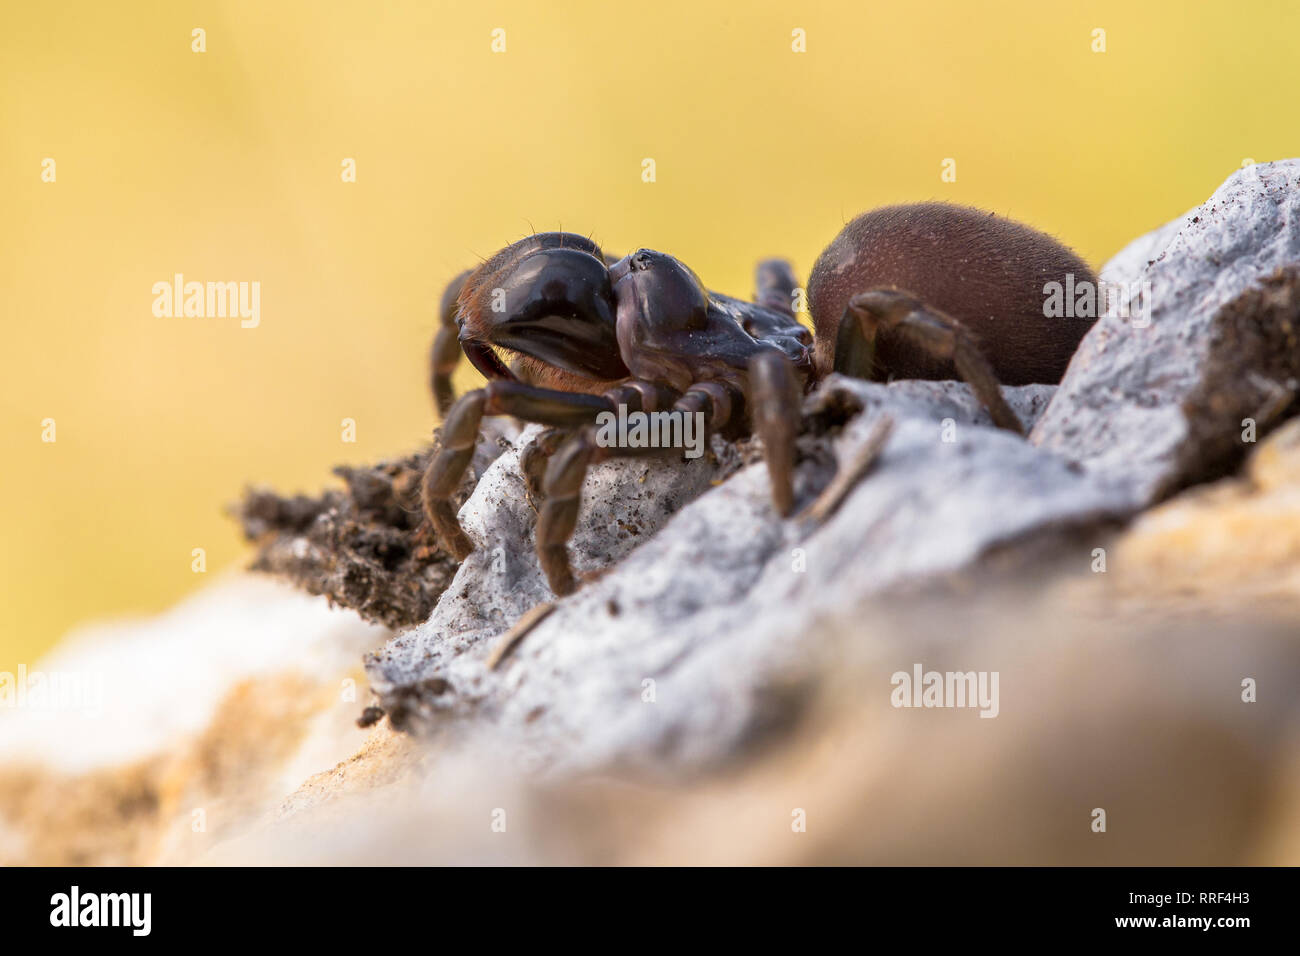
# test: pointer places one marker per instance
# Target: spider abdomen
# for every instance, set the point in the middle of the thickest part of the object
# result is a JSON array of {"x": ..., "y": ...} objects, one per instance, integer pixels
[{"x": 983, "y": 270}]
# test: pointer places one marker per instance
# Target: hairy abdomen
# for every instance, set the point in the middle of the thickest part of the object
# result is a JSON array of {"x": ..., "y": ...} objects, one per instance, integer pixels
[{"x": 983, "y": 270}]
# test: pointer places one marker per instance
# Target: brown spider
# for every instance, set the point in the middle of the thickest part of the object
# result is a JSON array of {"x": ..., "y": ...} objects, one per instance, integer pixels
[{"x": 912, "y": 291}]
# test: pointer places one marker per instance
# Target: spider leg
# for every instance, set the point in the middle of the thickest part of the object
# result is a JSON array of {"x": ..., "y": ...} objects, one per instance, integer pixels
[
  {"x": 774, "y": 285},
  {"x": 445, "y": 353},
  {"x": 893, "y": 313},
  {"x": 460, "y": 432},
  {"x": 849, "y": 473},
  {"x": 533, "y": 459},
  {"x": 568, "y": 468},
  {"x": 559, "y": 515},
  {"x": 774, "y": 408}
]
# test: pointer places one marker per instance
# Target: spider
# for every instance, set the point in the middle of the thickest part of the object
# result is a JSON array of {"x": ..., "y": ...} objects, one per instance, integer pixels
[{"x": 928, "y": 290}]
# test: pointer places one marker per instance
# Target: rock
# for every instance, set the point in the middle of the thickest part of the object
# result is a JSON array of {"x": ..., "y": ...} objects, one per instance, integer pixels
[
  {"x": 1152, "y": 408},
  {"x": 1092, "y": 714},
  {"x": 708, "y": 608},
  {"x": 209, "y": 707},
  {"x": 625, "y": 501},
  {"x": 1238, "y": 537}
]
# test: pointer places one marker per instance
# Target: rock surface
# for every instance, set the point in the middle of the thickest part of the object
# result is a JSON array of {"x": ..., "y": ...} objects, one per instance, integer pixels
[
  {"x": 158, "y": 681},
  {"x": 711, "y": 604},
  {"x": 1093, "y": 715},
  {"x": 1242, "y": 533},
  {"x": 1155, "y": 398},
  {"x": 187, "y": 723}
]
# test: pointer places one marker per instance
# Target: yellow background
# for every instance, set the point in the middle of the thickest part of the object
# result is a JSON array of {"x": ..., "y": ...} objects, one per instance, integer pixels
[{"x": 225, "y": 165}]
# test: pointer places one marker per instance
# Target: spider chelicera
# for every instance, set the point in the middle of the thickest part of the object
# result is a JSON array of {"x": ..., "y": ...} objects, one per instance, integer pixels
[{"x": 929, "y": 290}]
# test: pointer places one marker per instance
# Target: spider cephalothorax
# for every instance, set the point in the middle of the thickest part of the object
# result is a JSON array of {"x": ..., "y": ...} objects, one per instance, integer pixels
[
  {"x": 572, "y": 319},
  {"x": 921, "y": 291}
]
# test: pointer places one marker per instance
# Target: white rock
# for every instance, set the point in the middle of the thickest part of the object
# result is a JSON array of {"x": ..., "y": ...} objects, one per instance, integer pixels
[
  {"x": 710, "y": 607},
  {"x": 1120, "y": 411},
  {"x": 147, "y": 684}
]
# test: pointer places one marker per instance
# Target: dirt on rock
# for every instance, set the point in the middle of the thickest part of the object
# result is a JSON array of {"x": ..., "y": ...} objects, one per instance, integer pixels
[{"x": 367, "y": 546}]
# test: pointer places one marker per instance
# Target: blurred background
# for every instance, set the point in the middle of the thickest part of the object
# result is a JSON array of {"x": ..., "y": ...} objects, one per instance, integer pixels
[{"x": 226, "y": 165}]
